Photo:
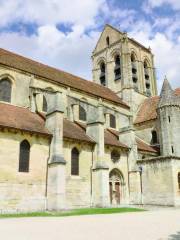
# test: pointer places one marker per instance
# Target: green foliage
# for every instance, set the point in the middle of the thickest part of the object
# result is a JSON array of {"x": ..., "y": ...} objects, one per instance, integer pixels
[{"x": 74, "y": 212}]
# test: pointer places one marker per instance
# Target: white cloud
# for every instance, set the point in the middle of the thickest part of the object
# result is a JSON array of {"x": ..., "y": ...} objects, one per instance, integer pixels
[
  {"x": 70, "y": 52},
  {"x": 167, "y": 59},
  {"x": 49, "y": 12},
  {"x": 175, "y": 4}
]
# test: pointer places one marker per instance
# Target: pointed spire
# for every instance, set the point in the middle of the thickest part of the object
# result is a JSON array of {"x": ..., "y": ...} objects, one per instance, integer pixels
[
  {"x": 166, "y": 88},
  {"x": 167, "y": 94}
]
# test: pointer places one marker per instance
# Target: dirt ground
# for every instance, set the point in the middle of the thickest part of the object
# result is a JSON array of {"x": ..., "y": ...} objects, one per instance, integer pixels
[{"x": 151, "y": 225}]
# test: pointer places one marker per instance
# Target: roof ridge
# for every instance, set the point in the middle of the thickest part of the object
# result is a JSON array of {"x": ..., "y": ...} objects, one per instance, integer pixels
[
  {"x": 43, "y": 64},
  {"x": 65, "y": 80},
  {"x": 138, "y": 138},
  {"x": 13, "y": 105},
  {"x": 132, "y": 39},
  {"x": 111, "y": 131}
]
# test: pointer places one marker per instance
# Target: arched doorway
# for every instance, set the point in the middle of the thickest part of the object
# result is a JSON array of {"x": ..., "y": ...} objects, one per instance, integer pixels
[{"x": 116, "y": 187}]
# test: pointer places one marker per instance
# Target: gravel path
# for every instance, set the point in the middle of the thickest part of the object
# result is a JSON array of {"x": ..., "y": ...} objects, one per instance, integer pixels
[{"x": 152, "y": 225}]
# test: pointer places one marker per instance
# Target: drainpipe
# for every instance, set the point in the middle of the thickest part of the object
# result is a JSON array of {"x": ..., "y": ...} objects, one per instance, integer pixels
[
  {"x": 47, "y": 175},
  {"x": 92, "y": 163},
  {"x": 140, "y": 172},
  {"x": 128, "y": 172}
]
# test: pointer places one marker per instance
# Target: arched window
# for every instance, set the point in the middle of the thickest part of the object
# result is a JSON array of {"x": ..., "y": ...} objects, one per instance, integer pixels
[
  {"x": 82, "y": 114},
  {"x": 134, "y": 69},
  {"x": 44, "y": 104},
  {"x": 74, "y": 162},
  {"x": 115, "y": 156},
  {"x": 179, "y": 180},
  {"x": 147, "y": 78},
  {"x": 117, "y": 69},
  {"x": 112, "y": 120},
  {"x": 5, "y": 90},
  {"x": 154, "y": 137},
  {"x": 102, "y": 77},
  {"x": 116, "y": 186},
  {"x": 24, "y": 155}
]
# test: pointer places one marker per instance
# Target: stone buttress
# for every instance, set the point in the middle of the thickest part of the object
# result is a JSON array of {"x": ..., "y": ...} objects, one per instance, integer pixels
[{"x": 56, "y": 195}]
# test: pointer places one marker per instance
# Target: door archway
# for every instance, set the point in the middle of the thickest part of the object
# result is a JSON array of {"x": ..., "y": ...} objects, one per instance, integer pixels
[{"x": 116, "y": 187}]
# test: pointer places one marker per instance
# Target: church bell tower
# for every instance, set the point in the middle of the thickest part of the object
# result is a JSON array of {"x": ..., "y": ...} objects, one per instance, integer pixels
[{"x": 125, "y": 66}]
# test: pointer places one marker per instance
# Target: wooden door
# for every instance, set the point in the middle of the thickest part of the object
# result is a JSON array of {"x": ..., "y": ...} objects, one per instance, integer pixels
[{"x": 110, "y": 191}]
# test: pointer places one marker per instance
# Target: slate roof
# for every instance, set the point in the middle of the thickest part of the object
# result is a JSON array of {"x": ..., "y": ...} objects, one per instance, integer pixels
[
  {"x": 147, "y": 110},
  {"x": 112, "y": 139},
  {"x": 59, "y": 77},
  {"x": 111, "y": 136},
  {"x": 21, "y": 118},
  {"x": 177, "y": 91},
  {"x": 142, "y": 146},
  {"x": 73, "y": 131}
]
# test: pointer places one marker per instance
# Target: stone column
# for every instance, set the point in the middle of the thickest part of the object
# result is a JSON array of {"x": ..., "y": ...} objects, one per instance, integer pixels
[
  {"x": 127, "y": 136},
  {"x": 127, "y": 84},
  {"x": 39, "y": 101},
  {"x": 126, "y": 63},
  {"x": 56, "y": 167},
  {"x": 75, "y": 108},
  {"x": 95, "y": 129},
  {"x": 32, "y": 101}
]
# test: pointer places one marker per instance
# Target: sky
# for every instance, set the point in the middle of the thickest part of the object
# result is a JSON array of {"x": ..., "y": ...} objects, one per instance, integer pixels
[{"x": 63, "y": 33}]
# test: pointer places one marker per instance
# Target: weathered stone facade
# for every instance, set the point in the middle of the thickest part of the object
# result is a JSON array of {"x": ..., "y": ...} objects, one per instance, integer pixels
[{"x": 125, "y": 151}]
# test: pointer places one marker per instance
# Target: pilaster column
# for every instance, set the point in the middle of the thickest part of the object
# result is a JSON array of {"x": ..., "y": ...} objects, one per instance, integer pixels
[
  {"x": 127, "y": 136},
  {"x": 56, "y": 168},
  {"x": 75, "y": 108},
  {"x": 95, "y": 129}
]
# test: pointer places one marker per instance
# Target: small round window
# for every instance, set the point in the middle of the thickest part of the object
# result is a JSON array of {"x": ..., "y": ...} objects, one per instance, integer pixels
[{"x": 115, "y": 156}]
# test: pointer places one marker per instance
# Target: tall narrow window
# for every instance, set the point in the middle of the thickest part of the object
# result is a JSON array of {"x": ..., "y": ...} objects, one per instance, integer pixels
[
  {"x": 147, "y": 78},
  {"x": 5, "y": 90},
  {"x": 146, "y": 71},
  {"x": 117, "y": 69},
  {"x": 112, "y": 121},
  {"x": 179, "y": 180},
  {"x": 74, "y": 162},
  {"x": 24, "y": 155},
  {"x": 44, "y": 104},
  {"x": 103, "y": 74},
  {"x": 154, "y": 137},
  {"x": 107, "y": 41},
  {"x": 134, "y": 70},
  {"x": 82, "y": 114}
]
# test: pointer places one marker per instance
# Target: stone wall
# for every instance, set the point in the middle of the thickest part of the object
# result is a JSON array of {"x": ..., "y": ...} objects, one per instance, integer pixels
[
  {"x": 159, "y": 181},
  {"x": 78, "y": 188},
  {"x": 144, "y": 130},
  {"x": 22, "y": 191},
  {"x": 176, "y": 170},
  {"x": 123, "y": 166}
]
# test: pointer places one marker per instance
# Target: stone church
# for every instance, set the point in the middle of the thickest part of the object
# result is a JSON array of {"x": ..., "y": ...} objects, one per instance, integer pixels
[{"x": 66, "y": 142}]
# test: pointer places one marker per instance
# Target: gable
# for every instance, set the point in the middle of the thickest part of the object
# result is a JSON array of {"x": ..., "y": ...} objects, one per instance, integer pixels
[{"x": 114, "y": 36}]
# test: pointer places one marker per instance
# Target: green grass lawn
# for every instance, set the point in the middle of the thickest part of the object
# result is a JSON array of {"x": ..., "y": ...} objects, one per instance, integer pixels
[{"x": 74, "y": 212}]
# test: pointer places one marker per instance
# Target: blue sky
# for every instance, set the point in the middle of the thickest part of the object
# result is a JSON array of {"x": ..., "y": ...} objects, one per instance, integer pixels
[{"x": 63, "y": 33}]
